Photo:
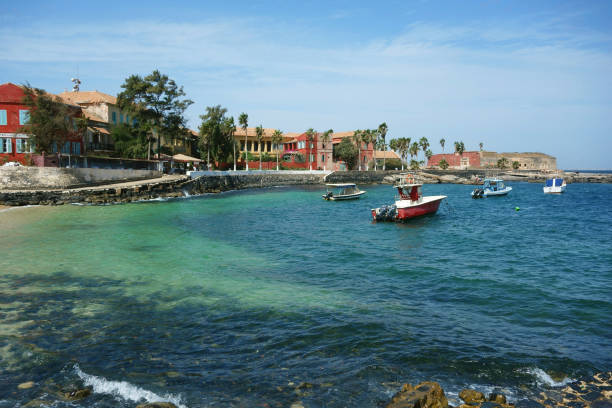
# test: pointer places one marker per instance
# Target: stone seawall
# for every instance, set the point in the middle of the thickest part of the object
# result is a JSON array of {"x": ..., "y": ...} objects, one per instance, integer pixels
[
  {"x": 160, "y": 188},
  {"x": 29, "y": 178}
]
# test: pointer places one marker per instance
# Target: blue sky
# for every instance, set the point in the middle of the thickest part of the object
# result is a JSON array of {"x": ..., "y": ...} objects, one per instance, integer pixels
[{"x": 515, "y": 75}]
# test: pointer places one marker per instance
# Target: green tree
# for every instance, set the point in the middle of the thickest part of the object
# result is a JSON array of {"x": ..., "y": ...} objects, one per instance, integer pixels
[
  {"x": 502, "y": 163},
  {"x": 243, "y": 120},
  {"x": 424, "y": 144},
  {"x": 50, "y": 121},
  {"x": 443, "y": 164},
  {"x": 516, "y": 165},
  {"x": 325, "y": 139},
  {"x": 459, "y": 148},
  {"x": 347, "y": 152},
  {"x": 415, "y": 164},
  {"x": 358, "y": 139},
  {"x": 370, "y": 136},
  {"x": 382, "y": 131},
  {"x": 156, "y": 102},
  {"x": 480, "y": 145},
  {"x": 229, "y": 128},
  {"x": 404, "y": 147},
  {"x": 442, "y": 142},
  {"x": 131, "y": 142},
  {"x": 259, "y": 134},
  {"x": 428, "y": 154},
  {"x": 414, "y": 151},
  {"x": 277, "y": 140},
  {"x": 310, "y": 137},
  {"x": 214, "y": 135}
]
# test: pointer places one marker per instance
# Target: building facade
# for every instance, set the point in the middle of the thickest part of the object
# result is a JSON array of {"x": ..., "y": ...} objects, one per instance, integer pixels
[
  {"x": 15, "y": 144},
  {"x": 486, "y": 159}
]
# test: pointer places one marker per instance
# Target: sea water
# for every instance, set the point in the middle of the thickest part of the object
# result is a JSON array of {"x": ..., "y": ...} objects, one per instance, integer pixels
[{"x": 275, "y": 296}]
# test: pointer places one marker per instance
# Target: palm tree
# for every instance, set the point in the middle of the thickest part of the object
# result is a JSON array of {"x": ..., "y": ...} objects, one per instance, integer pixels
[
  {"x": 442, "y": 141},
  {"x": 259, "y": 133},
  {"x": 370, "y": 136},
  {"x": 414, "y": 150},
  {"x": 481, "y": 145},
  {"x": 459, "y": 148},
  {"x": 277, "y": 139},
  {"x": 358, "y": 139},
  {"x": 404, "y": 146},
  {"x": 325, "y": 139},
  {"x": 382, "y": 131},
  {"x": 310, "y": 136},
  {"x": 428, "y": 154},
  {"x": 424, "y": 144},
  {"x": 230, "y": 128},
  {"x": 243, "y": 119}
]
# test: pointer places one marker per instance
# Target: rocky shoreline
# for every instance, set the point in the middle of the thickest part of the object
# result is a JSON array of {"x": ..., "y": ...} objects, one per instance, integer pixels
[
  {"x": 173, "y": 186},
  {"x": 592, "y": 392}
]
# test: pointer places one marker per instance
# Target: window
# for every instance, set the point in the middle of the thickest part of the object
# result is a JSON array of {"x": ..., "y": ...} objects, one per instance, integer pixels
[
  {"x": 121, "y": 118},
  {"x": 3, "y": 117},
  {"x": 311, "y": 157},
  {"x": 66, "y": 148},
  {"x": 5, "y": 145},
  {"x": 127, "y": 119},
  {"x": 311, "y": 145},
  {"x": 322, "y": 157},
  {"x": 24, "y": 116},
  {"x": 54, "y": 147},
  {"x": 76, "y": 148},
  {"x": 114, "y": 116},
  {"x": 23, "y": 146}
]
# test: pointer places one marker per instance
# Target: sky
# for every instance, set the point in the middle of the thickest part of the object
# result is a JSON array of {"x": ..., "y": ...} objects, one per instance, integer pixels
[{"x": 518, "y": 76}]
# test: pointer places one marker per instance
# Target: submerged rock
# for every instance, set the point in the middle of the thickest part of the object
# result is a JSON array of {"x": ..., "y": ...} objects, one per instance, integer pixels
[
  {"x": 26, "y": 385},
  {"x": 157, "y": 405},
  {"x": 77, "y": 394},
  {"x": 424, "y": 395},
  {"x": 470, "y": 396}
]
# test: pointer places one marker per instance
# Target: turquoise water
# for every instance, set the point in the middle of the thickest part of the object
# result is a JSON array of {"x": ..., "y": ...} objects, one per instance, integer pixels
[{"x": 237, "y": 299}]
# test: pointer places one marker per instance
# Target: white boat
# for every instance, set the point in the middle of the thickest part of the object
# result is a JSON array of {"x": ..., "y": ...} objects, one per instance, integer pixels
[
  {"x": 491, "y": 187},
  {"x": 343, "y": 191},
  {"x": 554, "y": 185}
]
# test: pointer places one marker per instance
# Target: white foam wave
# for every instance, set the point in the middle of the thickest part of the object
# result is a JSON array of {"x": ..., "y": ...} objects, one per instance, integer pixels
[
  {"x": 542, "y": 378},
  {"x": 124, "y": 389}
]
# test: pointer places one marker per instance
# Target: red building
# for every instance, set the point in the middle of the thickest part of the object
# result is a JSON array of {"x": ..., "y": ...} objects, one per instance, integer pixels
[
  {"x": 454, "y": 160},
  {"x": 16, "y": 146}
]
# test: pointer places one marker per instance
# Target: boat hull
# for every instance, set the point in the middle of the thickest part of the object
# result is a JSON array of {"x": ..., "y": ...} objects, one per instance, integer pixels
[
  {"x": 344, "y": 197},
  {"x": 489, "y": 193},
  {"x": 417, "y": 210},
  {"x": 554, "y": 190}
]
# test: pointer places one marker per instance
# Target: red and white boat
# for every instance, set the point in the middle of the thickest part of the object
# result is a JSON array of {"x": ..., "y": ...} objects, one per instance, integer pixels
[{"x": 409, "y": 202}]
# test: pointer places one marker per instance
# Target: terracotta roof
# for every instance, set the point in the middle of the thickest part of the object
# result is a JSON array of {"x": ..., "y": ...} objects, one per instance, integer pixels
[
  {"x": 88, "y": 97},
  {"x": 343, "y": 134},
  {"x": 251, "y": 132},
  {"x": 92, "y": 116},
  {"x": 389, "y": 154}
]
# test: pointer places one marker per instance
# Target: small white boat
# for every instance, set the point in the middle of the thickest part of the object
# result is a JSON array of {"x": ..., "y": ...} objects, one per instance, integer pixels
[
  {"x": 491, "y": 187},
  {"x": 344, "y": 191},
  {"x": 554, "y": 185}
]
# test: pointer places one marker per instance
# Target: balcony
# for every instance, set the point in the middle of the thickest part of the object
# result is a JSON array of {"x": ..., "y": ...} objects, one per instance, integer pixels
[{"x": 100, "y": 147}]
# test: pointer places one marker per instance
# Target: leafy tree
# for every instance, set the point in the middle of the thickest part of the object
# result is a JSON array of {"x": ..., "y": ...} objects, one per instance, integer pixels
[
  {"x": 480, "y": 145},
  {"x": 442, "y": 142},
  {"x": 50, "y": 120},
  {"x": 243, "y": 119},
  {"x": 415, "y": 164},
  {"x": 131, "y": 142},
  {"x": 259, "y": 134},
  {"x": 325, "y": 139},
  {"x": 347, "y": 152},
  {"x": 443, "y": 164},
  {"x": 502, "y": 163},
  {"x": 459, "y": 148},
  {"x": 358, "y": 139},
  {"x": 277, "y": 139},
  {"x": 516, "y": 165},
  {"x": 382, "y": 131},
  {"x": 156, "y": 102},
  {"x": 229, "y": 128},
  {"x": 214, "y": 134}
]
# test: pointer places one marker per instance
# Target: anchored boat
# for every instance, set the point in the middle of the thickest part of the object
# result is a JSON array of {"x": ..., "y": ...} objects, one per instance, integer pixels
[
  {"x": 346, "y": 191},
  {"x": 409, "y": 202},
  {"x": 491, "y": 187},
  {"x": 554, "y": 185}
]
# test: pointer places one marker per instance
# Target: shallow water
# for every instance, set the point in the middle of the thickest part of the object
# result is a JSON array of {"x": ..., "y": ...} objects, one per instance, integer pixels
[{"x": 238, "y": 298}]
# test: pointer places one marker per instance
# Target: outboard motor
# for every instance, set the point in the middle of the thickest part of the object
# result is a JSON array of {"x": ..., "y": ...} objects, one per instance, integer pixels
[
  {"x": 478, "y": 193},
  {"x": 329, "y": 195}
]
